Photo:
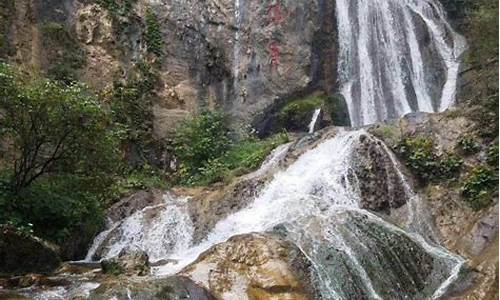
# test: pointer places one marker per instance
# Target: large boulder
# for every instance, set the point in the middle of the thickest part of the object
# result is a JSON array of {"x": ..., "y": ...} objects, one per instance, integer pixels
[
  {"x": 253, "y": 266},
  {"x": 380, "y": 183},
  {"x": 129, "y": 262},
  {"x": 172, "y": 288},
  {"x": 21, "y": 253}
]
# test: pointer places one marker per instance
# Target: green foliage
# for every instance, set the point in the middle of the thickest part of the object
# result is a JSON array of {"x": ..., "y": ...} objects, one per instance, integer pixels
[
  {"x": 422, "y": 159},
  {"x": 242, "y": 157},
  {"x": 112, "y": 267},
  {"x": 66, "y": 54},
  {"x": 61, "y": 156},
  {"x": 144, "y": 178},
  {"x": 339, "y": 112},
  {"x": 206, "y": 154},
  {"x": 117, "y": 7},
  {"x": 199, "y": 140},
  {"x": 468, "y": 145},
  {"x": 131, "y": 107},
  {"x": 492, "y": 153},
  {"x": 297, "y": 114},
  {"x": 153, "y": 34},
  {"x": 479, "y": 187}
]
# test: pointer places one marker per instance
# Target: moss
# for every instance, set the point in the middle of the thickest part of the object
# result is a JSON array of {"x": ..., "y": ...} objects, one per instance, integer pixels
[
  {"x": 297, "y": 114},
  {"x": 421, "y": 157},
  {"x": 479, "y": 186}
]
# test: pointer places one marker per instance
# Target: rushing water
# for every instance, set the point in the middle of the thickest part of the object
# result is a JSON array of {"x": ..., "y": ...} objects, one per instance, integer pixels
[
  {"x": 314, "y": 120},
  {"x": 316, "y": 201},
  {"x": 395, "y": 57}
]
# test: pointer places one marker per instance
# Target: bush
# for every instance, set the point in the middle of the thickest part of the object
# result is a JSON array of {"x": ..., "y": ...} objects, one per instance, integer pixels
[
  {"x": 199, "y": 140},
  {"x": 492, "y": 158},
  {"x": 479, "y": 186},
  {"x": 422, "y": 159},
  {"x": 468, "y": 145},
  {"x": 206, "y": 154}
]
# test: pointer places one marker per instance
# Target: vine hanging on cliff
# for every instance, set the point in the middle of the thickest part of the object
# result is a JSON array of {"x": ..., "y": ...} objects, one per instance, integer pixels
[{"x": 153, "y": 34}]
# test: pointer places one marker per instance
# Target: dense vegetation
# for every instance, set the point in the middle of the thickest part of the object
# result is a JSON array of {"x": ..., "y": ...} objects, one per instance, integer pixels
[
  {"x": 423, "y": 159},
  {"x": 59, "y": 156},
  {"x": 207, "y": 154}
]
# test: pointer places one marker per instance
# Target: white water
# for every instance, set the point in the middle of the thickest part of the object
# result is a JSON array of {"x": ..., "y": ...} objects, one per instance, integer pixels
[
  {"x": 160, "y": 230},
  {"x": 314, "y": 120},
  {"x": 318, "y": 185},
  {"x": 387, "y": 65}
]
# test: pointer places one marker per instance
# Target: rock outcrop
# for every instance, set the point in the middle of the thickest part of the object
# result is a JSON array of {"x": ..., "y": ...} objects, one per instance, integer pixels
[
  {"x": 253, "y": 266},
  {"x": 243, "y": 56},
  {"x": 21, "y": 253}
]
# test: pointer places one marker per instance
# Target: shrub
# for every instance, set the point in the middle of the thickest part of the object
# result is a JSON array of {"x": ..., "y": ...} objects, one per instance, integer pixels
[
  {"x": 468, "y": 145},
  {"x": 479, "y": 186},
  {"x": 66, "y": 56},
  {"x": 153, "y": 34},
  {"x": 206, "y": 154},
  {"x": 492, "y": 153},
  {"x": 198, "y": 140},
  {"x": 422, "y": 159}
]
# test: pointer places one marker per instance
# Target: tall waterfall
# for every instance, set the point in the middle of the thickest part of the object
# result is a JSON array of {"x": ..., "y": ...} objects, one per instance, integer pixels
[
  {"x": 238, "y": 21},
  {"x": 395, "y": 57},
  {"x": 316, "y": 200}
]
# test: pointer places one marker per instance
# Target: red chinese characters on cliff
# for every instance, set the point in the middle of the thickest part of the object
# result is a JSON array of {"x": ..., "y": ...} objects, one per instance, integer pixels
[
  {"x": 275, "y": 17},
  {"x": 274, "y": 14},
  {"x": 274, "y": 52}
]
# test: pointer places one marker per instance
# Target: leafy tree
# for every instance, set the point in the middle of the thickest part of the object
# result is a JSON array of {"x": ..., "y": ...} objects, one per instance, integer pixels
[
  {"x": 199, "y": 140},
  {"x": 51, "y": 128}
]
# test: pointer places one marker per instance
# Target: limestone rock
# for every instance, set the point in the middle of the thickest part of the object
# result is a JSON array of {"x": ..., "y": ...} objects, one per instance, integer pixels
[
  {"x": 129, "y": 262},
  {"x": 253, "y": 266}
]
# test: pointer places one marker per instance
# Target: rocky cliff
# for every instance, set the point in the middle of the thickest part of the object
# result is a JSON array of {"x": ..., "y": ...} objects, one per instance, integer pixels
[{"x": 245, "y": 57}]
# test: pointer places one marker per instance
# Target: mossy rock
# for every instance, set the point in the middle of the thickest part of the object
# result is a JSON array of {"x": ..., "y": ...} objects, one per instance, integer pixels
[{"x": 296, "y": 115}]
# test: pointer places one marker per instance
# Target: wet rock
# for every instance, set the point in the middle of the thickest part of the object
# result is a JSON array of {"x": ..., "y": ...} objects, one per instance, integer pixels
[
  {"x": 253, "y": 266},
  {"x": 380, "y": 184},
  {"x": 352, "y": 248},
  {"x": 129, "y": 262},
  {"x": 129, "y": 205},
  {"x": 21, "y": 253},
  {"x": 173, "y": 288}
]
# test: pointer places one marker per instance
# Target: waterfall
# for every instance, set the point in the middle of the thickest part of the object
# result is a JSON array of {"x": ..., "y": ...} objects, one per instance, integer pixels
[
  {"x": 395, "y": 57},
  {"x": 238, "y": 17},
  {"x": 314, "y": 120},
  {"x": 316, "y": 201}
]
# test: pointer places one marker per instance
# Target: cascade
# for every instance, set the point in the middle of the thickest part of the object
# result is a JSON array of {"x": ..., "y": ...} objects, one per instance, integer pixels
[
  {"x": 395, "y": 57},
  {"x": 314, "y": 120},
  {"x": 316, "y": 201}
]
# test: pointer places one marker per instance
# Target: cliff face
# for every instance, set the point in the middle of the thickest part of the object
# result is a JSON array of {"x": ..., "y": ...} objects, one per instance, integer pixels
[{"x": 242, "y": 56}]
